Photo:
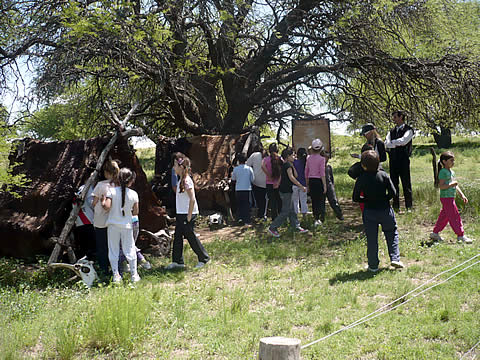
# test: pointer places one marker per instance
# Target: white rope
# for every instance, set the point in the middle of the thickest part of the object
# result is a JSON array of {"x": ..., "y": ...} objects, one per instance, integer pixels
[
  {"x": 380, "y": 310},
  {"x": 469, "y": 351}
]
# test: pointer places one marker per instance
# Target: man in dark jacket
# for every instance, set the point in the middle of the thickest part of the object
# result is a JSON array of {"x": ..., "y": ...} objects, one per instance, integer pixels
[{"x": 399, "y": 147}]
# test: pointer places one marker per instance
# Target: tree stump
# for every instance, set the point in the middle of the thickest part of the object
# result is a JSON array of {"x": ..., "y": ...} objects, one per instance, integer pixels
[{"x": 279, "y": 348}]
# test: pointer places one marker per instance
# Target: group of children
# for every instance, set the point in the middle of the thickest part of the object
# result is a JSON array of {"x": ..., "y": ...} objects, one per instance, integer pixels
[
  {"x": 115, "y": 219},
  {"x": 112, "y": 208},
  {"x": 290, "y": 177},
  {"x": 283, "y": 182}
]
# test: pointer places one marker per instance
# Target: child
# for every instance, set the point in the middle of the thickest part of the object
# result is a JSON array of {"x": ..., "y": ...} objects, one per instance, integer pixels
[
  {"x": 316, "y": 182},
  {"x": 377, "y": 189},
  {"x": 110, "y": 171},
  {"x": 84, "y": 232},
  {"x": 272, "y": 167},
  {"x": 123, "y": 205},
  {"x": 243, "y": 177},
  {"x": 331, "y": 194},
  {"x": 299, "y": 196},
  {"x": 285, "y": 189},
  {"x": 259, "y": 180},
  {"x": 448, "y": 188},
  {"x": 140, "y": 258},
  {"x": 187, "y": 211}
]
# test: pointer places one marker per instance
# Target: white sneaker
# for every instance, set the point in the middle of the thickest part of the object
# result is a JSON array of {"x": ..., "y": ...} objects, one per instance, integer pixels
[
  {"x": 435, "y": 237},
  {"x": 317, "y": 223},
  {"x": 464, "y": 239},
  {"x": 117, "y": 278},
  {"x": 397, "y": 264},
  {"x": 175, "y": 266},
  {"x": 135, "y": 278}
]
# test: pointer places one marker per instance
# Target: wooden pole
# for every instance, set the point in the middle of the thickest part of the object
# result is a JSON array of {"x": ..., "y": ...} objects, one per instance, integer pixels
[
  {"x": 62, "y": 239},
  {"x": 279, "y": 348},
  {"x": 435, "y": 168}
]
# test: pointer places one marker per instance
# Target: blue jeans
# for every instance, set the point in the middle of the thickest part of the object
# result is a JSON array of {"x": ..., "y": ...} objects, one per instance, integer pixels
[
  {"x": 243, "y": 205},
  {"x": 286, "y": 212},
  {"x": 385, "y": 217}
]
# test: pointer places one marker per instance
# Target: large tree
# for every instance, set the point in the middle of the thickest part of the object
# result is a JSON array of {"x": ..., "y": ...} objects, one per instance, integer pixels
[{"x": 221, "y": 66}]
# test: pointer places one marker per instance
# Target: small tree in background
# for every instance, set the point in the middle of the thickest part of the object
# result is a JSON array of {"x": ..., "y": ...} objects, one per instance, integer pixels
[{"x": 8, "y": 181}]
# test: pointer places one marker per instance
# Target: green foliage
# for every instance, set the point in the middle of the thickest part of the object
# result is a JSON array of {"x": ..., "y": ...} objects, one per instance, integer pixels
[
  {"x": 73, "y": 116},
  {"x": 428, "y": 32},
  {"x": 8, "y": 180}
]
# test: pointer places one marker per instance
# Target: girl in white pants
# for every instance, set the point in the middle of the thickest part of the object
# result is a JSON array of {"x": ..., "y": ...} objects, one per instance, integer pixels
[{"x": 123, "y": 204}]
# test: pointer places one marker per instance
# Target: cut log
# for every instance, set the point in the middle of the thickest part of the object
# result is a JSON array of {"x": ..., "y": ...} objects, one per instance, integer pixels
[{"x": 279, "y": 348}]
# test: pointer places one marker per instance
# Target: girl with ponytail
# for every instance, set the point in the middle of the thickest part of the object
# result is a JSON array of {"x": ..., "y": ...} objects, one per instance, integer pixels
[
  {"x": 448, "y": 189},
  {"x": 123, "y": 205},
  {"x": 100, "y": 216},
  {"x": 187, "y": 211},
  {"x": 272, "y": 167}
]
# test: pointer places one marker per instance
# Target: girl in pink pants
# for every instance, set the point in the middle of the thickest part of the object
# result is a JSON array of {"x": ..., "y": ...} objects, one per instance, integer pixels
[{"x": 448, "y": 189}]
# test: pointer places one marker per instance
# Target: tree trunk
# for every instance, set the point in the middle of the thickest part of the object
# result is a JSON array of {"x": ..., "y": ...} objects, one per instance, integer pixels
[{"x": 444, "y": 139}]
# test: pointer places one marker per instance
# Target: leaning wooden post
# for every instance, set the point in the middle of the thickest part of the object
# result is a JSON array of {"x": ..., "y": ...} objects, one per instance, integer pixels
[{"x": 279, "y": 348}]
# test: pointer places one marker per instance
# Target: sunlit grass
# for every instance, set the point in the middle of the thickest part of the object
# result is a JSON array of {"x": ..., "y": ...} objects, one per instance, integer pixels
[{"x": 302, "y": 286}]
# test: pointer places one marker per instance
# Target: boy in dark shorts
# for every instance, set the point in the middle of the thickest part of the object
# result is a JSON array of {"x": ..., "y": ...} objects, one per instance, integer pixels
[{"x": 375, "y": 189}]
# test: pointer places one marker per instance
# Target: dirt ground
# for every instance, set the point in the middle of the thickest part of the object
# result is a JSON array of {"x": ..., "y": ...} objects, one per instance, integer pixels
[{"x": 352, "y": 223}]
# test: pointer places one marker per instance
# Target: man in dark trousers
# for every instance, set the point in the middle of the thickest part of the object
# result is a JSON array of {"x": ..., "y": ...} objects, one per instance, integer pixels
[{"x": 399, "y": 147}]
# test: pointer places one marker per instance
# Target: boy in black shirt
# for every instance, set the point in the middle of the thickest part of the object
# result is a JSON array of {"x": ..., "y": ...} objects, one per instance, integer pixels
[
  {"x": 375, "y": 189},
  {"x": 288, "y": 179}
]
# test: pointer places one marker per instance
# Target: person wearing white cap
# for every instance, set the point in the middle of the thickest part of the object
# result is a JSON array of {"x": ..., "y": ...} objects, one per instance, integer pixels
[{"x": 316, "y": 182}]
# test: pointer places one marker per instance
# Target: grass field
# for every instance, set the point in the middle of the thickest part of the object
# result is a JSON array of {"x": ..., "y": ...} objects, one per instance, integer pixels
[{"x": 300, "y": 286}]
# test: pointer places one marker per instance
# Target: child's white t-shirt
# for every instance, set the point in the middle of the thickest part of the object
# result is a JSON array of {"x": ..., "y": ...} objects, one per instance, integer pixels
[
  {"x": 182, "y": 198},
  {"x": 115, "y": 216},
  {"x": 100, "y": 216}
]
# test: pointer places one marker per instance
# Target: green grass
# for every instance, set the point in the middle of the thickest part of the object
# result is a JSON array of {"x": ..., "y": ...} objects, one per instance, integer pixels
[
  {"x": 147, "y": 160},
  {"x": 298, "y": 286}
]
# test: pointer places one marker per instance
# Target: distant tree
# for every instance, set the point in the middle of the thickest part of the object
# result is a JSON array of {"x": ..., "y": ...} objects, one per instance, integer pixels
[
  {"x": 74, "y": 115},
  {"x": 8, "y": 181}
]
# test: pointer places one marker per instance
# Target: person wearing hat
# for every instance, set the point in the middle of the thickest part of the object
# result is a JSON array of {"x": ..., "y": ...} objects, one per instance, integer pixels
[
  {"x": 373, "y": 138},
  {"x": 316, "y": 182},
  {"x": 399, "y": 146}
]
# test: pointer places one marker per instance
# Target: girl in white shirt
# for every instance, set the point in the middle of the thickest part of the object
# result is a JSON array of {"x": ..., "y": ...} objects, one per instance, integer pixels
[
  {"x": 187, "y": 211},
  {"x": 110, "y": 171},
  {"x": 123, "y": 205}
]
